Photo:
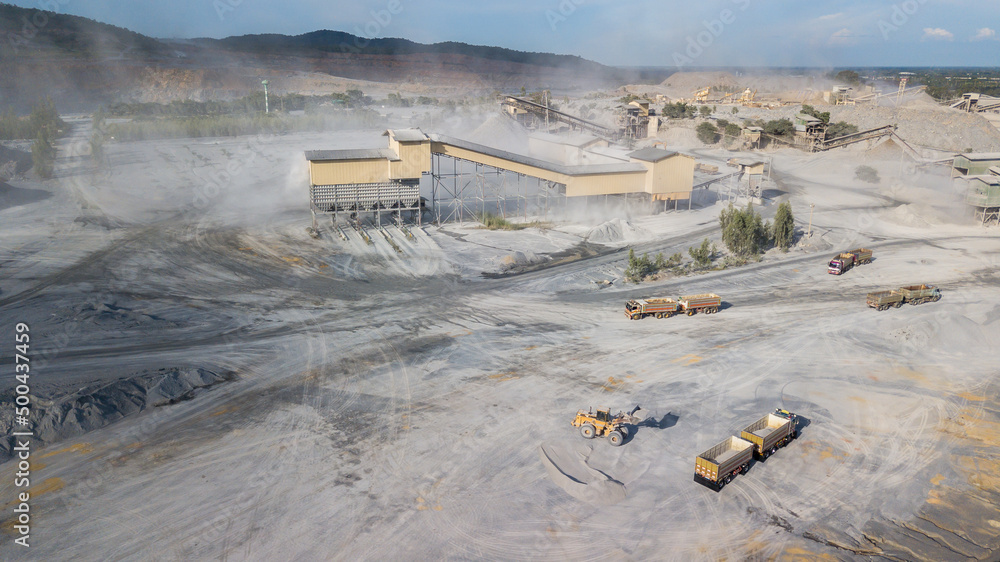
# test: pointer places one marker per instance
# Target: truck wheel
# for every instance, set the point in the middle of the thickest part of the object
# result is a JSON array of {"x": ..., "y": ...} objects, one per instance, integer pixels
[
  {"x": 616, "y": 438},
  {"x": 898, "y": 304},
  {"x": 745, "y": 467},
  {"x": 727, "y": 479},
  {"x": 795, "y": 434},
  {"x": 691, "y": 313},
  {"x": 774, "y": 450},
  {"x": 659, "y": 315},
  {"x": 588, "y": 431},
  {"x": 765, "y": 454},
  {"x": 936, "y": 298}
]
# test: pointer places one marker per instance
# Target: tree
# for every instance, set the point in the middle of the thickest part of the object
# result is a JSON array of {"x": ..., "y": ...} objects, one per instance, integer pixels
[
  {"x": 784, "y": 227},
  {"x": 733, "y": 130},
  {"x": 43, "y": 155},
  {"x": 780, "y": 128},
  {"x": 840, "y": 129},
  {"x": 705, "y": 111},
  {"x": 736, "y": 110},
  {"x": 849, "y": 77},
  {"x": 867, "y": 174},
  {"x": 743, "y": 231},
  {"x": 707, "y": 133}
]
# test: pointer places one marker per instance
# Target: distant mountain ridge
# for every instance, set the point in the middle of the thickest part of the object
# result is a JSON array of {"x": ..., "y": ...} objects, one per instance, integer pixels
[
  {"x": 328, "y": 41},
  {"x": 82, "y": 63}
]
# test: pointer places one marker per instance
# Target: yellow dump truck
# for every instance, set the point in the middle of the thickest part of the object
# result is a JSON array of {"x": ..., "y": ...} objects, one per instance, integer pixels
[
  {"x": 708, "y": 303},
  {"x": 913, "y": 294},
  {"x": 718, "y": 466},
  {"x": 771, "y": 432},
  {"x": 658, "y": 307}
]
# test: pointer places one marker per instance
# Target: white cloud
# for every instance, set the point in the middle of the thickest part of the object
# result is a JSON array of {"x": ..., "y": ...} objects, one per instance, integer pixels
[
  {"x": 937, "y": 34},
  {"x": 843, "y": 37},
  {"x": 985, "y": 34}
]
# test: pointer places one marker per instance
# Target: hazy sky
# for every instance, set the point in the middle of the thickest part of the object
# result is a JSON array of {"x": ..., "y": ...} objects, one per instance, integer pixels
[{"x": 614, "y": 32}]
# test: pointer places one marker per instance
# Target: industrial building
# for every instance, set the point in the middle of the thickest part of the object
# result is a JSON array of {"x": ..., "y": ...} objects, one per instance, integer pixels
[
  {"x": 979, "y": 176},
  {"x": 387, "y": 180}
]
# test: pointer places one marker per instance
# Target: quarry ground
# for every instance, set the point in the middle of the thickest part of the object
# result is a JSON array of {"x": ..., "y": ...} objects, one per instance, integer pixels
[{"x": 218, "y": 384}]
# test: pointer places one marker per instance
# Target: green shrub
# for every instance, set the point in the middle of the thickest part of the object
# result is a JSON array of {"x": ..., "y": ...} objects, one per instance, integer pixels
[
  {"x": 780, "y": 128},
  {"x": 707, "y": 133},
  {"x": 496, "y": 222},
  {"x": 704, "y": 254}
]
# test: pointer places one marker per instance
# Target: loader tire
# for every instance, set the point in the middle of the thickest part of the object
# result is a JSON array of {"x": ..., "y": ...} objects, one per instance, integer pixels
[
  {"x": 616, "y": 438},
  {"x": 588, "y": 431}
]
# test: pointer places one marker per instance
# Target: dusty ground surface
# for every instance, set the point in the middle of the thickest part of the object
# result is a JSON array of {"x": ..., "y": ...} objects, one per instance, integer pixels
[{"x": 315, "y": 399}]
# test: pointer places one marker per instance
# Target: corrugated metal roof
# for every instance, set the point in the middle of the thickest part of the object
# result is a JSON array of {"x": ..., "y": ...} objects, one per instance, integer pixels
[
  {"x": 980, "y": 156},
  {"x": 351, "y": 154},
  {"x": 543, "y": 164},
  {"x": 570, "y": 139},
  {"x": 406, "y": 135},
  {"x": 651, "y": 154}
]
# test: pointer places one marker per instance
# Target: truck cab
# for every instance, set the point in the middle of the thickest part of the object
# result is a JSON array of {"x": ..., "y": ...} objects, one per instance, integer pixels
[{"x": 836, "y": 266}]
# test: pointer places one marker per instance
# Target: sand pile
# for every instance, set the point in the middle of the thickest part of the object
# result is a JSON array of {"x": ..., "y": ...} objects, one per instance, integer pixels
[
  {"x": 616, "y": 231},
  {"x": 98, "y": 404},
  {"x": 567, "y": 467}
]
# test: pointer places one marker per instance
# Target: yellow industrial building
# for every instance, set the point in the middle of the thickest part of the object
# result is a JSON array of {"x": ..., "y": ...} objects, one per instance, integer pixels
[{"x": 389, "y": 178}]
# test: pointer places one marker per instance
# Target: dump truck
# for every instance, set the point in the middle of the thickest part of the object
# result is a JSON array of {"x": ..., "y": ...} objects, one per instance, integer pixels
[
  {"x": 603, "y": 424},
  {"x": 841, "y": 263},
  {"x": 771, "y": 432},
  {"x": 913, "y": 294},
  {"x": 658, "y": 307},
  {"x": 919, "y": 294},
  {"x": 709, "y": 303},
  {"x": 718, "y": 466}
]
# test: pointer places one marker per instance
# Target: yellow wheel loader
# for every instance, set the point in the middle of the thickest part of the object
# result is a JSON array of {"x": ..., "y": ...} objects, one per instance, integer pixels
[{"x": 603, "y": 424}]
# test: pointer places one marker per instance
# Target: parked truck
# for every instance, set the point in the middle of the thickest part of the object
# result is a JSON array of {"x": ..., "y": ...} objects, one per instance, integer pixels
[
  {"x": 658, "y": 307},
  {"x": 913, "y": 294},
  {"x": 708, "y": 303},
  {"x": 841, "y": 263},
  {"x": 666, "y": 307},
  {"x": 770, "y": 433},
  {"x": 718, "y": 466}
]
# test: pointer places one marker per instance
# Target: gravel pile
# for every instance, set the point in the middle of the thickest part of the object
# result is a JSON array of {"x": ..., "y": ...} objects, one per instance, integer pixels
[
  {"x": 919, "y": 124},
  {"x": 96, "y": 405}
]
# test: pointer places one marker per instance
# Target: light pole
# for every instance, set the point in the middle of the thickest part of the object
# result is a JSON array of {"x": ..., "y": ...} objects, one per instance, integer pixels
[
  {"x": 810, "y": 233},
  {"x": 266, "y": 108}
]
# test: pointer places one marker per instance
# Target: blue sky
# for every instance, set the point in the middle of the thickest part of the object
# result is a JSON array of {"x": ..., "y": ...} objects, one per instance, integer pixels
[{"x": 636, "y": 33}]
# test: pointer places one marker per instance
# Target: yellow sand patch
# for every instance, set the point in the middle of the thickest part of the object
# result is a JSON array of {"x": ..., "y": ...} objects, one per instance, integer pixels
[
  {"x": 613, "y": 384},
  {"x": 323, "y": 266},
  {"x": 35, "y": 466},
  {"x": 49, "y": 485},
  {"x": 531, "y": 347},
  {"x": 972, "y": 397},
  {"x": 983, "y": 473},
  {"x": 82, "y": 448},
  {"x": 245, "y": 249},
  {"x": 506, "y": 376},
  {"x": 688, "y": 360},
  {"x": 438, "y": 508},
  {"x": 796, "y": 554},
  {"x": 223, "y": 410},
  {"x": 292, "y": 259},
  {"x": 937, "y": 480},
  {"x": 857, "y": 399},
  {"x": 968, "y": 425}
]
